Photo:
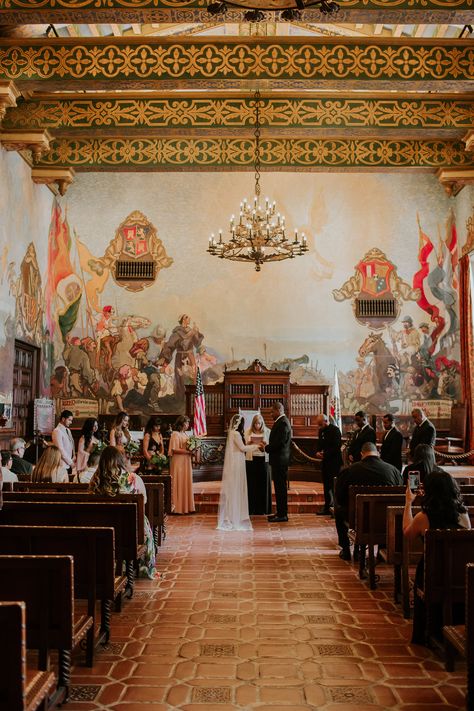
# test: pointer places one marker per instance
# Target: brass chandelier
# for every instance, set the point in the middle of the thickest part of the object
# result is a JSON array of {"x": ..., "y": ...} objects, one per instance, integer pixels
[{"x": 259, "y": 233}]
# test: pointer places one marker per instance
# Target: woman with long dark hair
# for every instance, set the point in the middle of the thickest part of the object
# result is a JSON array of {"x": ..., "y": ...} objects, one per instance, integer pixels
[
  {"x": 87, "y": 442},
  {"x": 153, "y": 439},
  {"x": 424, "y": 462},
  {"x": 441, "y": 507},
  {"x": 112, "y": 478}
]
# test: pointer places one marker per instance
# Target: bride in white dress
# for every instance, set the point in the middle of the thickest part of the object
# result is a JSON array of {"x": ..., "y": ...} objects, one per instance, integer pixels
[{"x": 233, "y": 502}]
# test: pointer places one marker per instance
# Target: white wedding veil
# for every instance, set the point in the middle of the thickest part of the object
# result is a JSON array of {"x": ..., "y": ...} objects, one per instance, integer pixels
[{"x": 233, "y": 505}]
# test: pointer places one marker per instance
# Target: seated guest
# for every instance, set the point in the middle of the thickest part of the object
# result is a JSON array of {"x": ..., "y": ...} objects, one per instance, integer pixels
[
  {"x": 111, "y": 478},
  {"x": 424, "y": 431},
  {"x": 119, "y": 434},
  {"x": 152, "y": 440},
  {"x": 86, "y": 444},
  {"x": 50, "y": 467},
  {"x": 424, "y": 463},
  {"x": 392, "y": 443},
  {"x": 84, "y": 476},
  {"x": 364, "y": 433},
  {"x": 7, "y": 474},
  {"x": 20, "y": 466},
  {"x": 442, "y": 507},
  {"x": 370, "y": 470}
]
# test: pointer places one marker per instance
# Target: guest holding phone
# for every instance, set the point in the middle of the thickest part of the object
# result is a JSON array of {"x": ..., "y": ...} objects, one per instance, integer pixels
[
  {"x": 424, "y": 463},
  {"x": 441, "y": 507}
]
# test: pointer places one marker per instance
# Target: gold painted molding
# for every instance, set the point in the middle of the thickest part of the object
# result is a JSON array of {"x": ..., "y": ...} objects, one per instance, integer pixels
[{"x": 469, "y": 141}]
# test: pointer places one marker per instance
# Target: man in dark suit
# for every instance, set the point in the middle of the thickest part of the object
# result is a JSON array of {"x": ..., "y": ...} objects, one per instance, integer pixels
[
  {"x": 20, "y": 466},
  {"x": 278, "y": 448},
  {"x": 365, "y": 433},
  {"x": 370, "y": 470},
  {"x": 392, "y": 443},
  {"x": 329, "y": 451},
  {"x": 424, "y": 431}
]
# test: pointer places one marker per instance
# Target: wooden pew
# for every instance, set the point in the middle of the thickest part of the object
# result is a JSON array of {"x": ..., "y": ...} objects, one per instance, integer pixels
[
  {"x": 376, "y": 489},
  {"x": 371, "y": 524},
  {"x": 45, "y": 584},
  {"x": 154, "y": 506},
  {"x": 460, "y": 639},
  {"x": 121, "y": 516},
  {"x": 93, "y": 550},
  {"x": 164, "y": 479},
  {"x": 401, "y": 553},
  {"x": 21, "y": 689},
  {"x": 446, "y": 552}
]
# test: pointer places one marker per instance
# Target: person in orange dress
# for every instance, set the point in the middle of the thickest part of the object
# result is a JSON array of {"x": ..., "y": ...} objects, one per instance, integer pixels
[{"x": 181, "y": 470}]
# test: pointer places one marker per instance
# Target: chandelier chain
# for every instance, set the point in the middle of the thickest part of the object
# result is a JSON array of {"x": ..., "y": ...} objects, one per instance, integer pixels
[{"x": 257, "y": 143}]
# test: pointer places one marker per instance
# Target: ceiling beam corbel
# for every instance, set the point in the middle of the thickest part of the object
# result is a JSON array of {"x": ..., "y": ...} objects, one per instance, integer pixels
[
  {"x": 37, "y": 142},
  {"x": 454, "y": 179},
  {"x": 62, "y": 178},
  {"x": 8, "y": 96}
]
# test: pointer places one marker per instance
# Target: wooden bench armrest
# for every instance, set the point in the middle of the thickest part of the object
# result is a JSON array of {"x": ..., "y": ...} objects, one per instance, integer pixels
[
  {"x": 37, "y": 687},
  {"x": 456, "y": 636},
  {"x": 82, "y": 624}
]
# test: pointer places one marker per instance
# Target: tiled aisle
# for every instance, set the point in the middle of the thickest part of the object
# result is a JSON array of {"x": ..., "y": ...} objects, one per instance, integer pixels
[{"x": 266, "y": 620}]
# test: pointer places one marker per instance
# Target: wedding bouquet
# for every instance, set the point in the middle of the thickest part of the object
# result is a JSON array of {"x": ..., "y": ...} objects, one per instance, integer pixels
[
  {"x": 159, "y": 460},
  {"x": 132, "y": 448},
  {"x": 193, "y": 443},
  {"x": 99, "y": 447}
]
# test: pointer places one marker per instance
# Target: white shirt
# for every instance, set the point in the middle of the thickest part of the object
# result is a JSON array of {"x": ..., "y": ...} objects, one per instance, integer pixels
[
  {"x": 8, "y": 475},
  {"x": 63, "y": 440}
]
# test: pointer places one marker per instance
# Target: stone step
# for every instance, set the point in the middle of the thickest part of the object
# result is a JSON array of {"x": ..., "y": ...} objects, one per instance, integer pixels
[{"x": 298, "y": 501}]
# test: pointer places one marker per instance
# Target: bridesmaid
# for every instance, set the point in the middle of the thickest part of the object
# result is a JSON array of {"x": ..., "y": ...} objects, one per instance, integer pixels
[
  {"x": 119, "y": 435},
  {"x": 259, "y": 486},
  {"x": 181, "y": 468},
  {"x": 87, "y": 442},
  {"x": 152, "y": 440}
]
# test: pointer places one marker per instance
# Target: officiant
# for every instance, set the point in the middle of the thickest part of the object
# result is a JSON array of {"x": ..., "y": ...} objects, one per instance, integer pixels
[{"x": 257, "y": 468}]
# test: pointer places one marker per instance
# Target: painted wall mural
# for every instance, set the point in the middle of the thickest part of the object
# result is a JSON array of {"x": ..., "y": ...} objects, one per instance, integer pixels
[{"x": 106, "y": 348}]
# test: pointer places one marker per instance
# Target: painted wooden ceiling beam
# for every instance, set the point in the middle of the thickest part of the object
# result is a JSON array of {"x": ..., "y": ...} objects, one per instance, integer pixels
[
  {"x": 407, "y": 115},
  {"x": 228, "y": 63},
  {"x": 120, "y": 11}
]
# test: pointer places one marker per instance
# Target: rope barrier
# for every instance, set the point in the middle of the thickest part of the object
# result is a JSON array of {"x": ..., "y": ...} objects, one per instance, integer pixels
[
  {"x": 446, "y": 455},
  {"x": 303, "y": 454}
]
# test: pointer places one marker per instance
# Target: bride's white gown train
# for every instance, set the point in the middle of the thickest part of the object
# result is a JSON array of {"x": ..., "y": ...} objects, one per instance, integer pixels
[{"x": 233, "y": 503}]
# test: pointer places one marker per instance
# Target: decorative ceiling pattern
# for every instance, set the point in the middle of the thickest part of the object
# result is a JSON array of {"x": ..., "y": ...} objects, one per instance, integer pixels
[
  {"x": 445, "y": 115},
  {"x": 290, "y": 62},
  {"x": 223, "y": 153}
]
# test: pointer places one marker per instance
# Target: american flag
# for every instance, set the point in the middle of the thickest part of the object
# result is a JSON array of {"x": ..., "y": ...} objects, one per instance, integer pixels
[{"x": 200, "y": 427}]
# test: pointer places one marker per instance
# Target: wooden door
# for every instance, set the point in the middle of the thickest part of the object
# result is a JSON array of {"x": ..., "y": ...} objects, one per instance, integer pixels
[{"x": 25, "y": 387}]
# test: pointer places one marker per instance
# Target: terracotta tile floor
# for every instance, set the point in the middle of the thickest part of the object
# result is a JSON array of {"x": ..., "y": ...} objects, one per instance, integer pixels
[{"x": 266, "y": 620}]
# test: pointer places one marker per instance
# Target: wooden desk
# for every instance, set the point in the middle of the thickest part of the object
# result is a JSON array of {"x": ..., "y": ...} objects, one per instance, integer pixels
[{"x": 463, "y": 475}]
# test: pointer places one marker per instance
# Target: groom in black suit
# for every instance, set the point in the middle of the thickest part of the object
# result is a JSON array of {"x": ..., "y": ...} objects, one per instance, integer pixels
[{"x": 278, "y": 448}]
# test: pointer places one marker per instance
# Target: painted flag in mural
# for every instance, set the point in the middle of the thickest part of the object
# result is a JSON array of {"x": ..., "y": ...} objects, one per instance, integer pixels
[
  {"x": 98, "y": 272},
  {"x": 428, "y": 260},
  {"x": 335, "y": 408},
  {"x": 452, "y": 245},
  {"x": 63, "y": 287},
  {"x": 200, "y": 426}
]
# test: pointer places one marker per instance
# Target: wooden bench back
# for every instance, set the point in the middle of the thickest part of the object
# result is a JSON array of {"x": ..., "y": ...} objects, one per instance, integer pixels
[
  {"x": 85, "y": 497},
  {"x": 164, "y": 479},
  {"x": 447, "y": 552},
  {"x": 93, "y": 550},
  {"x": 371, "y": 515},
  {"x": 45, "y": 585},
  {"x": 121, "y": 516},
  {"x": 355, "y": 490},
  {"x": 49, "y": 486},
  {"x": 12, "y": 655},
  {"x": 470, "y": 613}
]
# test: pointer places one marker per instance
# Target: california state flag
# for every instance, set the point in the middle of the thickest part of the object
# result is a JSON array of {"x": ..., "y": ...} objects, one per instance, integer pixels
[{"x": 335, "y": 408}]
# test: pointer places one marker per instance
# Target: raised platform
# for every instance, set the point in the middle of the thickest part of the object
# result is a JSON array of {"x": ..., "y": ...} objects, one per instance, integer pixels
[{"x": 303, "y": 497}]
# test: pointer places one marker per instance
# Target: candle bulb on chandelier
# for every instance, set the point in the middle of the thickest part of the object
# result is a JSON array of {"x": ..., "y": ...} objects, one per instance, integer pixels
[{"x": 220, "y": 236}]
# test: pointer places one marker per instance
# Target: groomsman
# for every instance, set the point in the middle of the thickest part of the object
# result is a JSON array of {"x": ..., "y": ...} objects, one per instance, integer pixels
[
  {"x": 364, "y": 434},
  {"x": 424, "y": 431},
  {"x": 64, "y": 441},
  {"x": 392, "y": 443},
  {"x": 329, "y": 451},
  {"x": 278, "y": 448}
]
